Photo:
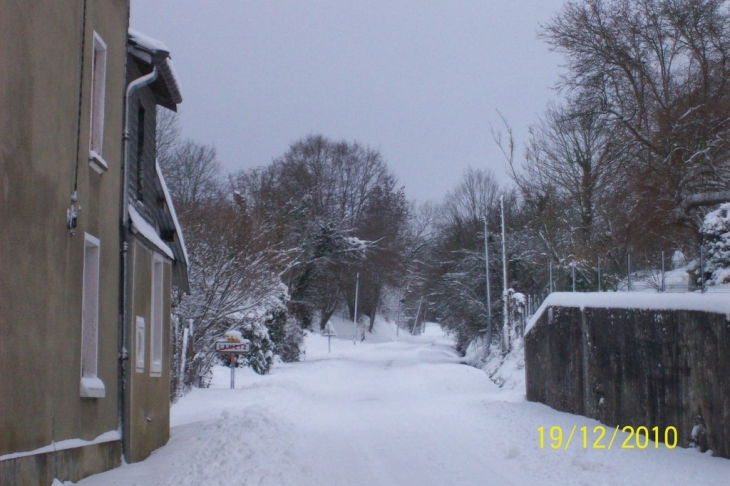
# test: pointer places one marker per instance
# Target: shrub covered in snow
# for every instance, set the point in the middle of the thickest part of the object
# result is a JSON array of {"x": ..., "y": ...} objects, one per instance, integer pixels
[
  {"x": 271, "y": 331},
  {"x": 716, "y": 230},
  {"x": 286, "y": 335},
  {"x": 261, "y": 354}
]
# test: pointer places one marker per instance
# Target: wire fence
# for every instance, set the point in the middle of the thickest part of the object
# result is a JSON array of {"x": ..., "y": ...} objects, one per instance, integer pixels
[
  {"x": 668, "y": 272},
  {"x": 662, "y": 272}
]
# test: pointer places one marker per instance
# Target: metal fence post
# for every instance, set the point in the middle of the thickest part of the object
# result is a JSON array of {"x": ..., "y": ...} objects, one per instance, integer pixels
[
  {"x": 702, "y": 269},
  {"x": 572, "y": 274},
  {"x": 628, "y": 281},
  {"x": 550, "y": 282},
  {"x": 664, "y": 288}
]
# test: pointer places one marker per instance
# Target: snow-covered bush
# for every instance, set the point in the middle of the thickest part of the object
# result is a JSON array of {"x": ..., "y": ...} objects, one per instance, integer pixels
[
  {"x": 716, "y": 230},
  {"x": 261, "y": 353},
  {"x": 266, "y": 327},
  {"x": 272, "y": 334},
  {"x": 286, "y": 335}
]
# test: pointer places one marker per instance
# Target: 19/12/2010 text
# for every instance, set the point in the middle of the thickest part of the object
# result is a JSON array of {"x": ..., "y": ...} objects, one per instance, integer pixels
[{"x": 638, "y": 438}]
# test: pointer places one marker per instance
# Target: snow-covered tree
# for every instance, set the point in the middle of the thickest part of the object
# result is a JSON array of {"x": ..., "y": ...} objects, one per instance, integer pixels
[
  {"x": 338, "y": 211},
  {"x": 716, "y": 231}
]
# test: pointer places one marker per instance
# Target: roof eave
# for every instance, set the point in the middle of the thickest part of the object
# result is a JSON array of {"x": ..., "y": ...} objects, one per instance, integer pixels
[{"x": 159, "y": 58}]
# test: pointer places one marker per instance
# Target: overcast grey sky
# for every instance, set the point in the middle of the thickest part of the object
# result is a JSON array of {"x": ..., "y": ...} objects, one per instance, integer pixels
[{"x": 420, "y": 80}]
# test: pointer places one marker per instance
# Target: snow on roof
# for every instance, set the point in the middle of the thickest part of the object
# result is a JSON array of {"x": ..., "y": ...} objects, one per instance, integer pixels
[
  {"x": 175, "y": 77},
  {"x": 146, "y": 42},
  {"x": 146, "y": 230},
  {"x": 717, "y": 303},
  {"x": 159, "y": 55},
  {"x": 168, "y": 201}
]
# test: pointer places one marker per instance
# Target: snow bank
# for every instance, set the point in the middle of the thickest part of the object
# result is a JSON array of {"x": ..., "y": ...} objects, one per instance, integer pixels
[
  {"x": 506, "y": 371},
  {"x": 713, "y": 302}
]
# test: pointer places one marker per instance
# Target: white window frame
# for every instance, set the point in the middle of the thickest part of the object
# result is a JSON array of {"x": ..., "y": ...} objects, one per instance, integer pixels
[
  {"x": 139, "y": 344},
  {"x": 98, "y": 97},
  {"x": 157, "y": 315},
  {"x": 91, "y": 385}
]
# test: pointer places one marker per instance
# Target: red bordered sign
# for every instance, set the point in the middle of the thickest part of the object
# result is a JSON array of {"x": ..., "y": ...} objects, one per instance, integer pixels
[{"x": 227, "y": 347}]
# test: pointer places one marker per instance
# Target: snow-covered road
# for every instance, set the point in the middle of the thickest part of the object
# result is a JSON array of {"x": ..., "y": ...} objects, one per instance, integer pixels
[{"x": 390, "y": 413}]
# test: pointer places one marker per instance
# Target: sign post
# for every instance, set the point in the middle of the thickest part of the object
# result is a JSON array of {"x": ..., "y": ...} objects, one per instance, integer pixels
[
  {"x": 233, "y": 348},
  {"x": 329, "y": 331},
  {"x": 234, "y": 362}
]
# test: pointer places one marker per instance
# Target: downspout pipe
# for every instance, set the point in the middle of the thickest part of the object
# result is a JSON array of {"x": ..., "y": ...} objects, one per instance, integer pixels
[{"x": 124, "y": 325}]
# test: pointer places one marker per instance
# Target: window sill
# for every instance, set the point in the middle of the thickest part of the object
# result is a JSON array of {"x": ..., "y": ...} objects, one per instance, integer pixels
[
  {"x": 97, "y": 162},
  {"x": 156, "y": 370},
  {"x": 92, "y": 387}
]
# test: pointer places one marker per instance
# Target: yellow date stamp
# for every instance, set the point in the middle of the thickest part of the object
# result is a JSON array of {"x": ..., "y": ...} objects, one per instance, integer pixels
[{"x": 600, "y": 438}]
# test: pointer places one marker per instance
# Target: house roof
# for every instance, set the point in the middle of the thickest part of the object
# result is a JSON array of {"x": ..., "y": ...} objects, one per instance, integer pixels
[{"x": 151, "y": 53}]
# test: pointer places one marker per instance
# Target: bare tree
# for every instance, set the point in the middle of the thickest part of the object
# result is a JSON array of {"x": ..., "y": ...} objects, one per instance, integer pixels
[
  {"x": 193, "y": 173},
  {"x": 234, "y": 277},
  {"x": 574, "y": 190},
  {"x": 167, "y": 135},
  {"x": 658, "y": 70}
]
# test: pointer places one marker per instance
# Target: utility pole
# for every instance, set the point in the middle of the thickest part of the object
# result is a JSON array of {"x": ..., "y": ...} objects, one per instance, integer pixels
[
  {"x": 486, "y": 276},
  {"x": 418, "y": 311},
  {"x": 354, "y": 323},
  {"x": 505, "y": 293}
]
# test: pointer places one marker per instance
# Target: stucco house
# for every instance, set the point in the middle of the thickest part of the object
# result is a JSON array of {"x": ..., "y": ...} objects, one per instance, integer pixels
[{"x": 79, "y": 262}]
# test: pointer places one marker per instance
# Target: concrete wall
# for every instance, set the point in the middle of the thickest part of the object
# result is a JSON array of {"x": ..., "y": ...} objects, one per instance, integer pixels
[
  {"x": 70, "y": 464},
  {"x": 635, "y": 367},
  {"x": 45, "y": 116}
]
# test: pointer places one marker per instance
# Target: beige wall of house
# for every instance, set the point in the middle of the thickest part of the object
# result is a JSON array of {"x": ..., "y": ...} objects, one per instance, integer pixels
[
  {"x": 148, "y": 423},
  {"x": 44, "y": 114}
]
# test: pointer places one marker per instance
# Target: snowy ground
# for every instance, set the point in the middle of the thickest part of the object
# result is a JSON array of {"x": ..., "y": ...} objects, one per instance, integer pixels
[{"x": 387, "y": 412}]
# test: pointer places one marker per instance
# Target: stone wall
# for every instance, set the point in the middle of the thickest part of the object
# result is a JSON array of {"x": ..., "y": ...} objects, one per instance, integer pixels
[{"x": 635, "y": 367}]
